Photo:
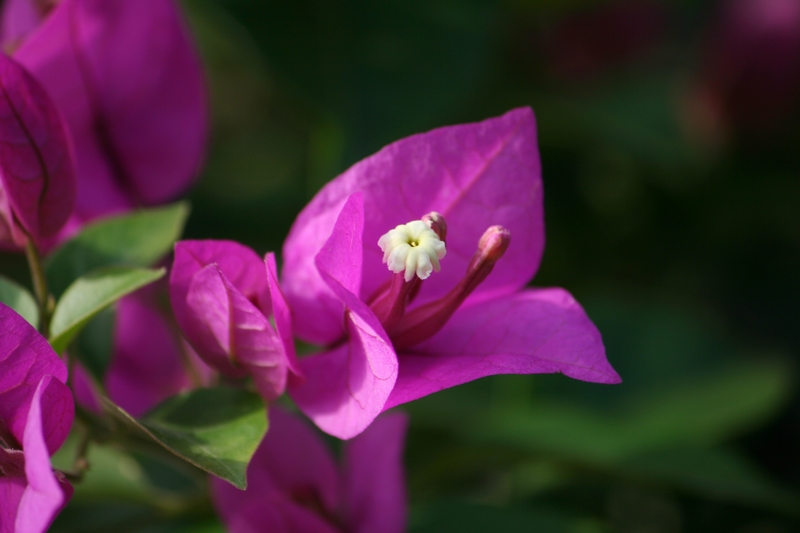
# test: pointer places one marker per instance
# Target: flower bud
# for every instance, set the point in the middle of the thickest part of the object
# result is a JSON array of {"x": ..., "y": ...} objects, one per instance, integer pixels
[
  {"x": 491, "y": 247},
  {"x": 437, "y": 223}
]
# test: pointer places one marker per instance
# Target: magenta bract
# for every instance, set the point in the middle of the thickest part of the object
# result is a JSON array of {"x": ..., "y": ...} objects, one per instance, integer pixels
[
  {"x": 346, "y": 386},
  {"x": 36, "y": 412},
  {"x": 477, "y": 176},
  {"x": 294, "y": 484},
  {"x": 130, "y": 85},
  {"x": 20, "y": 17},
  {"x": 223, "y": 294},
  {"x": 37, "y": 174}
]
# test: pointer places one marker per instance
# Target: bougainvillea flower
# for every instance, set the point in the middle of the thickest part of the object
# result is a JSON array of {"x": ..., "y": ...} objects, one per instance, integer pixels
[
  {"x": 390, "y": 341},
  {"x": 36, "y": 413},
  {"x": 223, "y": 296},
  {"x": 294, "y": 484},
  {"x": 37, "y": 174},
  {"x": 130, "y": 85}
]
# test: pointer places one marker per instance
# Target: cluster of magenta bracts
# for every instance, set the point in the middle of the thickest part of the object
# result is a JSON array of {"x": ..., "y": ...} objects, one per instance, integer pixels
[
  {"x": 102, "y": 109},
  {"x": 388, "y": 338},
  {"x": 435, "y": 318},
  {"x": 112, "y": 94},
  {"x": 102, "y": 113}
]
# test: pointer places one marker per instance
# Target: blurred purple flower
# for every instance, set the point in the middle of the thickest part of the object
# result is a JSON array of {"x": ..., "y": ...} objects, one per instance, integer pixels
[
  {"x": 36, "y": 412},
  {"x": 750, "y": 75},
  {"x": 588, "y": 43},
  {"x": 130, "y": 85},
  {"x": 223, "y": 296},
  {"x": 294, "y": 485},
  {"x": 150, "y": 362},
  {"x": 37, "y": 174},
  {"x": 458, "y": 327},
  {"x": 18, "y": 18}
]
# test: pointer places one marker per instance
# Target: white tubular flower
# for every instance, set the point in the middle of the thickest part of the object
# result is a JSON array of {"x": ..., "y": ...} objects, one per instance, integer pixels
[{"x": 414, "y": 248}]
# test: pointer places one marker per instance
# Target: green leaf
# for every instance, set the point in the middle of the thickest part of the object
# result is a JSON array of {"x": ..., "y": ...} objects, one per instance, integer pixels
[
  {"x": 692, "y": 412},
  {"x": 717, "y": 474},
  {"x": 92, "y": 293},
  {"x": 710, "y": 409},
  {"x": 216, "y": 430},
  {"x": 20, "y": 300},
  {"x": 135, "y": 239}
]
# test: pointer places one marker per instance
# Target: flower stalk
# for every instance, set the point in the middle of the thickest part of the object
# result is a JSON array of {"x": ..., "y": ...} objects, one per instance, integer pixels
[{"x": 44, "y": 299}]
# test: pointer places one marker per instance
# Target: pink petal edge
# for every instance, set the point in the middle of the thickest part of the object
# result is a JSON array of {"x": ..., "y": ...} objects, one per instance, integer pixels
[
  {"x": 43, "y": 497},
  {"x": 346, "y": 387},
  {"x": 536, "y": 331}
]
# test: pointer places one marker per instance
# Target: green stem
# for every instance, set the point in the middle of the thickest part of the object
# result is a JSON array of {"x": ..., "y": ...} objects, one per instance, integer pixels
[
  {"x": 43, "y": 297},
  {"x": 80, "y": 464}
]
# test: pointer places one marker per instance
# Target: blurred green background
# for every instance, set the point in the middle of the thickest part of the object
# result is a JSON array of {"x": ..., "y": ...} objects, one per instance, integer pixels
[{"x": 670, "y": 148}]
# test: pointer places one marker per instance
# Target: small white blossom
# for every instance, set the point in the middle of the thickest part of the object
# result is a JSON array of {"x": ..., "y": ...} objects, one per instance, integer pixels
[{"x": 414, "y": 248}]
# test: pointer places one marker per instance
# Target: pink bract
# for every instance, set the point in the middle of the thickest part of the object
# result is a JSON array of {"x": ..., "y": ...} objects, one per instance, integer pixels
[
  {"x": 36, "y": 412},
  {"x": 37, "y": 174},
  {"x": 223, "y": 294},
  {"x": 294, "y": 484},
  {"x": 476, "y": 175},
  {"x": 130, "y": 85}
]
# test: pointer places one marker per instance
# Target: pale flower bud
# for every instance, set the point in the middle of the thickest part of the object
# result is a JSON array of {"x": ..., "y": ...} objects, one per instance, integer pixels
[{"x": 491, "y": 247}]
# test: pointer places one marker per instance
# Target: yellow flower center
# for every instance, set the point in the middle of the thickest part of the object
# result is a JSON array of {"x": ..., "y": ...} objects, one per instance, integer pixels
[{"x": 412, "y": 248}]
